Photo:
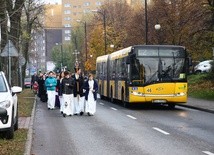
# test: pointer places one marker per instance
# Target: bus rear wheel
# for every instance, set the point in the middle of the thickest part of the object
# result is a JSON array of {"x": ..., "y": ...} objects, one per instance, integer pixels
[
  {"x": 124, "y": 103},
  {"x": 171, "y": 105}
]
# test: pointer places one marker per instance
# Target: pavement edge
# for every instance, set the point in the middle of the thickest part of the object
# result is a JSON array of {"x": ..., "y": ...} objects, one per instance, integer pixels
[
  {"x": 30, "y": 131},
  {"x": 197, "y": 108}
]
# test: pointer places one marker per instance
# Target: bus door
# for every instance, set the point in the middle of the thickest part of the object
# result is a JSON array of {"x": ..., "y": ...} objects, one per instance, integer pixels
[{"x": 116, "y": 78}]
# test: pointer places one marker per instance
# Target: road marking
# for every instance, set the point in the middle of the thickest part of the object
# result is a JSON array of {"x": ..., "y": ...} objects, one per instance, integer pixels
[
  {"x": 164, "y": 132},
  {"x": 131, "y": 117},
  {"x": 101, "y": 103},
  {"x": 208, "y": 153},
  {"x": 113, "y": 108}
]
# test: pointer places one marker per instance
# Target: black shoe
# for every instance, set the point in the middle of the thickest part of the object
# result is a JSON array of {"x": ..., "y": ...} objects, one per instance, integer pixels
[
  {"x": 75, "y": 114},
  {"x": 61, "y": 112},
  {"x": 81, "y": 113},
  {"x": 64, "y": 115},
  {"x": 49, "y": 108},
  {"x": 70, "y": 115},
  {"x": 89, "y": 114}
]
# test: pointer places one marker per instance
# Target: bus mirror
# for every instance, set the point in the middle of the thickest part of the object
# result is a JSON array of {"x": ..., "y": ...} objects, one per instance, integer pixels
[
  {"x": 128, "y": 60},
  {"x": 190, "y": 61}
]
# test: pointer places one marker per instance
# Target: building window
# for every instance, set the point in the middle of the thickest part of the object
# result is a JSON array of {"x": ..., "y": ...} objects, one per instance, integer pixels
[
  {"x": 98, "y": 3},
  {"x": 67, "y": 31},
  {"x": 86, "y": 3},
  {"x": 67, "y": 25},
  {"x": 67, "y": 12},
  {"x": 67, "y": 5},
  {"x": 67, "y": 18},
  {"x": 86, "y": 11},
  {"x": 74, "y": 6},
  {"x": 67, "y": 38}
]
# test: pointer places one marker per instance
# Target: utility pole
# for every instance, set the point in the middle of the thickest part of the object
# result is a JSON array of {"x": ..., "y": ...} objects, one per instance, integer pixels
[{"x": 146, "y": 24}]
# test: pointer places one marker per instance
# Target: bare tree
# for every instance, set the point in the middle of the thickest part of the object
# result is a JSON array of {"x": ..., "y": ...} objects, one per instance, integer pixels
[{"x": 32, "y": 20}]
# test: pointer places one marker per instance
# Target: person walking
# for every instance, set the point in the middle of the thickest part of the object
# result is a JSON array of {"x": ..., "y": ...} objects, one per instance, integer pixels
[
  {"x": 34, "y": 78},
  {"x": 91, "y": 88},
  {"x": 67, "y": 93},
  {"x": 79, "y": 98},
  {"x": 57, "y": 101},
  {"x": 50, "y": 84},
  {"x": 61, "y": 77},
  {"x": 42, "y": 91}
]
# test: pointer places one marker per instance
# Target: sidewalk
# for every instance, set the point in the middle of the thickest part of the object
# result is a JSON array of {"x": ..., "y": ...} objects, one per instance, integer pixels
[
  {"x": 200, "y": 104},
  {"x": 24, "y": 122}
]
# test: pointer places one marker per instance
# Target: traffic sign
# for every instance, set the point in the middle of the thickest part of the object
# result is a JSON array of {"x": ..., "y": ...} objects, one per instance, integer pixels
[{"x": 9, "y": 50}]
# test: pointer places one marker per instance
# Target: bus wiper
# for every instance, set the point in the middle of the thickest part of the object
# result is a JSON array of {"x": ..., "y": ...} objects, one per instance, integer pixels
[
  {"x": 159, "y": 71},
  {"x": 151, "y": 78},
  {"x": 165, "y": 73}
]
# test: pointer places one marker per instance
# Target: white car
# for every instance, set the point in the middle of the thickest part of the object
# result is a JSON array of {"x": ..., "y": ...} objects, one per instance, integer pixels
[
  {"x": 8, "y": 107},
  {"x": 203, "y": 66}
]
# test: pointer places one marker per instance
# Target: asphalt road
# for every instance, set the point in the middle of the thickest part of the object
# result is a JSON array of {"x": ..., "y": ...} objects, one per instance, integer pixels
[{"x": 117, "y": 130}]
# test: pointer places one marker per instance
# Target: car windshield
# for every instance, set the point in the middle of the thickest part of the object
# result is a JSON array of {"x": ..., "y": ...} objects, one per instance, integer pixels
[
  {"x": 27, "y": 79},
  {"x": 3, "y": 87}
]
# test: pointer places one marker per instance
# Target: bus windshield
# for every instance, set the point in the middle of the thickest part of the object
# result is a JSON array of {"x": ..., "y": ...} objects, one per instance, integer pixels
[{"x": 157, "y": 65}]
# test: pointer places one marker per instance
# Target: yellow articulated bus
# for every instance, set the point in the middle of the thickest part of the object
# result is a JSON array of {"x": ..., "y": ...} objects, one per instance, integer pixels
[{"x": 144, "y": 74}]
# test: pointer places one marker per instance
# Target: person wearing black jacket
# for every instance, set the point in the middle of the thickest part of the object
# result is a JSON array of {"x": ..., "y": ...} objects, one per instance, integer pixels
[
  {"x": 42, "y": 91},
  {"x": 67, "y": 93},
  {"x": 78, "y": 92},
  {"x": 61, "y": 76}
]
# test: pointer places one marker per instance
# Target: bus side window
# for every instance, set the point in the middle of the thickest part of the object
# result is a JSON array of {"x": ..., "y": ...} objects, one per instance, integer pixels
[
  {"x": 113, "y": 67},
  {"x": 123, "y": 67},
  {"x": 118, "y": 63}
]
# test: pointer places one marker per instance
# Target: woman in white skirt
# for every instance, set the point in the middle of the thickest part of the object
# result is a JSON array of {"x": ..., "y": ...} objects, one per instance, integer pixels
[
  {"x": 90, "y": 88},
  {"x": 67, "y": 94}
]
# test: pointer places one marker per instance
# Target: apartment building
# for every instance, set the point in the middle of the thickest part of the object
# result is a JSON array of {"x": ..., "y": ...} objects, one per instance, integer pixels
[
  {"x": 73, "y": 10},
  {"x": 53, "y": 27}
]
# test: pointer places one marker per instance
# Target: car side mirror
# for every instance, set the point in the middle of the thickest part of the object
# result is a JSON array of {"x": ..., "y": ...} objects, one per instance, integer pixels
[{"x": 16, "y": 89}]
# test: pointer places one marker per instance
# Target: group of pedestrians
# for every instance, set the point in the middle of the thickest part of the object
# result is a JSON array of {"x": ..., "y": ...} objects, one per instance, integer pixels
[{"x": 75, "y": 95}]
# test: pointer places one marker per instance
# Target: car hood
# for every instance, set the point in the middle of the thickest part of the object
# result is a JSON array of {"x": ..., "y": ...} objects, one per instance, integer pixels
[{"x": 4, "y": 96}]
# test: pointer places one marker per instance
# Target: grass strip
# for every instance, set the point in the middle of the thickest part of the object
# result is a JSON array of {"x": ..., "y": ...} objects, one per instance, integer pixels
[{"x": 15, "y": 146}]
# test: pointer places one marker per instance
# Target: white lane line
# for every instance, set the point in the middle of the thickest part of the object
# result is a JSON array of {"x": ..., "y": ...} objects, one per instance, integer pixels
[
  {"x": 164, "y": 132},
  {"x": 131, "y": 117},
  {"x": 208, "y": 153},
  {"x": 113, "y": 108},
  {"x": 101, "y": 103}
]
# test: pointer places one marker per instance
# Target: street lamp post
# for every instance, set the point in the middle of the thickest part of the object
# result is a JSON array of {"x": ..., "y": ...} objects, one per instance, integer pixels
[
  {"x": 86, "y": 49},
  {"x": 157, "y": 28},
  {"x": 104, "y": 26},
  {"x": 61, "y": 50}
]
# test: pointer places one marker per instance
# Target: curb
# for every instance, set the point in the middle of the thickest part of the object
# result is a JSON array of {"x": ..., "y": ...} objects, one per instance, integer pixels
[
  {"x": 197, "y": 108},
  {"x": 30, "y": 131}
]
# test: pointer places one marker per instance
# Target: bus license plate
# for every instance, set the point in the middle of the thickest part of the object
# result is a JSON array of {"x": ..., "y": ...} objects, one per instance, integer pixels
[{"x": 159, "y": 101}]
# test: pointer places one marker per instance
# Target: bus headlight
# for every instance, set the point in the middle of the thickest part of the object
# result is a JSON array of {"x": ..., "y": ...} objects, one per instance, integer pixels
[
  {"x": 180, "y": 94},
  {"x": 5, "y": 104},
  {"x": 137, "y": 93}
]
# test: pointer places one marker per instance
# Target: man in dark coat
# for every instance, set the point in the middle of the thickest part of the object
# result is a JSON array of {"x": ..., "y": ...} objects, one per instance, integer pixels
[
  {"x": 67, "y": 93},
  {"x": 78, "y": 92}
]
